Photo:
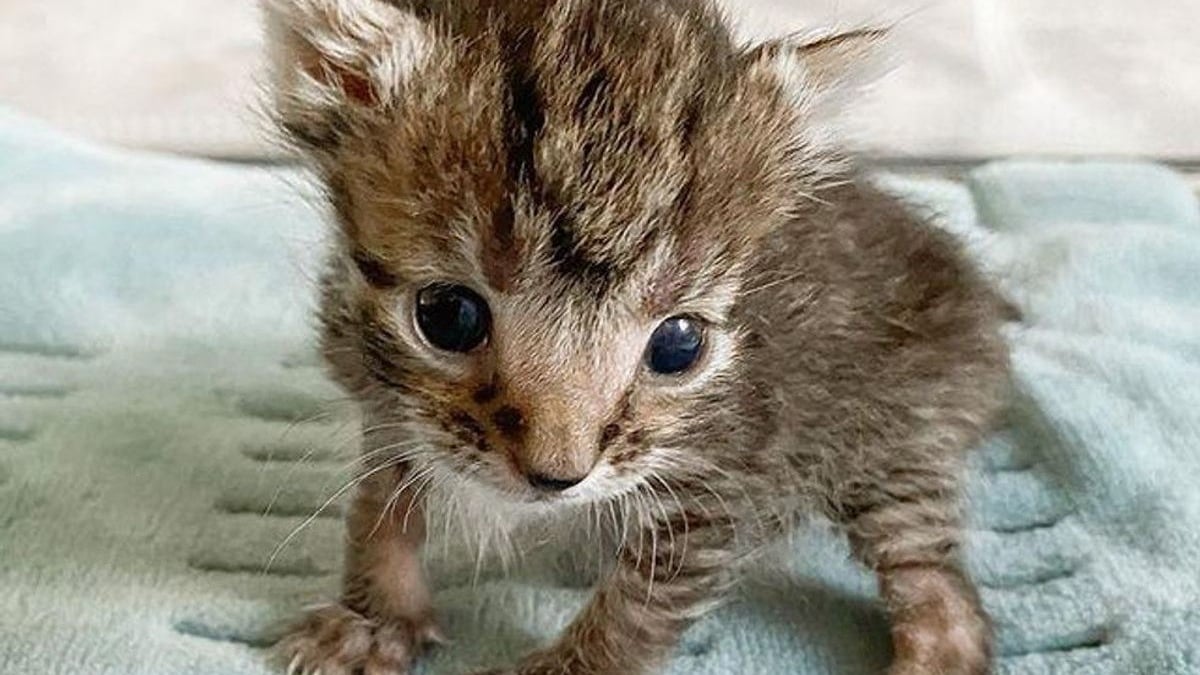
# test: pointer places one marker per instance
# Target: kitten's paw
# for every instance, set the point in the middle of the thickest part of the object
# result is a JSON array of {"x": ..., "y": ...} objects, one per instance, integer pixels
[
  {"x": 335, "y": 640},
  {"x": 938, "y": 624},
  {"x": 925, "y": 668},
  {"x": 941, "y": 649}
]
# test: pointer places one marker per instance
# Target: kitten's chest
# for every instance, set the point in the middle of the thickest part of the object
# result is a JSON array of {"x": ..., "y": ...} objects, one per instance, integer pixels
[{"x": 472, "y": 540}]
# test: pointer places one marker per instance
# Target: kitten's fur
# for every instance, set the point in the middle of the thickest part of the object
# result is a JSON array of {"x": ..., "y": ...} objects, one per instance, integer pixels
[{"x": 591, "y": 168}]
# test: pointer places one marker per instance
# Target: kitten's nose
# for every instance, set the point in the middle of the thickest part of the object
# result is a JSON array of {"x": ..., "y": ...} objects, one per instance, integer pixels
[{"x": 542, "y": 481}]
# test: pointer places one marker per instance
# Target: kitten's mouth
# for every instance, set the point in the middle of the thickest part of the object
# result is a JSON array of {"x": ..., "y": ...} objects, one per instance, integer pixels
[
  {"x": 517, "y": 485},
  {"x": 519, "y": 488},
  {"x": 535, "y": 494}
]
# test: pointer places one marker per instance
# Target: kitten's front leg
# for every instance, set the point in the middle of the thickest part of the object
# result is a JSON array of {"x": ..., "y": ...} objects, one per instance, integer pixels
[
  {"x": 669, "y": 576},
  {"x": 908, "y": 529},
  {"x": 385, "y": 615}
]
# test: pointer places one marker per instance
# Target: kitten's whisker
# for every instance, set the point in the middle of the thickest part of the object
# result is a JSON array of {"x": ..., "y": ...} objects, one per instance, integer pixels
[
  {"x": 420, "y": 488},
  {"x": 666, "y": 519},
  {"x": 287, "y": 477},
  {"x": 389, "y": 507},
  {"x": 315, "y": 514},
  {"x": 404, "y": 447},
  {"x": 686, "y": 528}
]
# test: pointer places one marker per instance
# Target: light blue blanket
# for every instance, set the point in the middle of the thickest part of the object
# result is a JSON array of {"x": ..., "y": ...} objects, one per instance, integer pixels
[{"x": 157, "y": 398}]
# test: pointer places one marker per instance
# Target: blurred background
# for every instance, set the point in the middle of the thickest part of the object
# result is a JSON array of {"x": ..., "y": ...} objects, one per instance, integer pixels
[{"x": 972, "y": 79}]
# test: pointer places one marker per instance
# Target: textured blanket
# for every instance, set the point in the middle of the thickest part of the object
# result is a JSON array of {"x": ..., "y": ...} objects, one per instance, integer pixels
[{"x": 164, "y": 429}]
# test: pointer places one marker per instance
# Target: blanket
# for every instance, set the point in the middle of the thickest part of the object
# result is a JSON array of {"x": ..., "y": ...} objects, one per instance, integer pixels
[{"x": 165, "y": 429}]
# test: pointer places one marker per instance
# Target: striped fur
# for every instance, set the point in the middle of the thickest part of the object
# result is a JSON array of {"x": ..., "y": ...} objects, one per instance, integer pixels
[{"x": 591, "y": 168}]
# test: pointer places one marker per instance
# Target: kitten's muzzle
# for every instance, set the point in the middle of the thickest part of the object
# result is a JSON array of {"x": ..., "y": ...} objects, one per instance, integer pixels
[{"x": 547, "y": 483}]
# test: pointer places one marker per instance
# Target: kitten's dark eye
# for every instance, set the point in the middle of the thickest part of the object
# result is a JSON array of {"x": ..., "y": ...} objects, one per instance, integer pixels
[
  {"x": 675, "y": 345},
  {"x": 453, "y": 318}
]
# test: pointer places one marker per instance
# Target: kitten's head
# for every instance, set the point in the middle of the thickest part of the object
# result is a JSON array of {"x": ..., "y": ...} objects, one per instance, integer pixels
[{"x": 546, "y": 213}]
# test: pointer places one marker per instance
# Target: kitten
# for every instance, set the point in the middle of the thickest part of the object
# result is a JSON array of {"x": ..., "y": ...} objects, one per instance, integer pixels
[{"x": 596, "y": 255}]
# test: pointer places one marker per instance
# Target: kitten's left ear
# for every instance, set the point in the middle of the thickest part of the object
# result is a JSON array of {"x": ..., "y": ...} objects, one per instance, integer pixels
[
  {"x": 816, "y": 72},
  {"x": 333, "y": 62}
]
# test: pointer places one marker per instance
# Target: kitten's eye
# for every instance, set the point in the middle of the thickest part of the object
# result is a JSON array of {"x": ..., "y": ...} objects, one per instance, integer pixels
[
  {"x": 453, "y": 318},
  {"x": 675, "y": 345}
]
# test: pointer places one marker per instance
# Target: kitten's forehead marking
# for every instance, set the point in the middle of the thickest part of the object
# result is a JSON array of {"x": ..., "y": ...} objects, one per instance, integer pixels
[
  {"x": 599, "y": 131},
  {"x": 564, "y": 150}
]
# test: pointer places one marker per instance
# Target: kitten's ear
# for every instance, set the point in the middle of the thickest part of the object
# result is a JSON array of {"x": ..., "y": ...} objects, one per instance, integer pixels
[
  {"x": 816, "y": 72},
  {"x": 332, "y": 59}
]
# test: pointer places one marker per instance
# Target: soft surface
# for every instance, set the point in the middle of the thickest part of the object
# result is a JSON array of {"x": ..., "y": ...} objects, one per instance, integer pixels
[
  {"x": 973, "y": 77},
  {"x": 163, "y": 428}
]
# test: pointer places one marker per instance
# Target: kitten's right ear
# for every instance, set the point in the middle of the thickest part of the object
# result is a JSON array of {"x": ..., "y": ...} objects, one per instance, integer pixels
[
  {"x": 816, "y": 71},
  {"x": 335, "y": 63}
]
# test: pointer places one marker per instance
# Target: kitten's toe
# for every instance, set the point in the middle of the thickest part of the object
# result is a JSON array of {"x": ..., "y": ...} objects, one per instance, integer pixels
[
  {"x": 335, "y": 640},
  {"x": 938, "y": 624},
  {"x": 923, "y": 649}
]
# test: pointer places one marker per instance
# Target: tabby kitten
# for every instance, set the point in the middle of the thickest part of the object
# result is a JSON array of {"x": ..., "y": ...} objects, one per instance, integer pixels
[{"x": 598, "y": 257}]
